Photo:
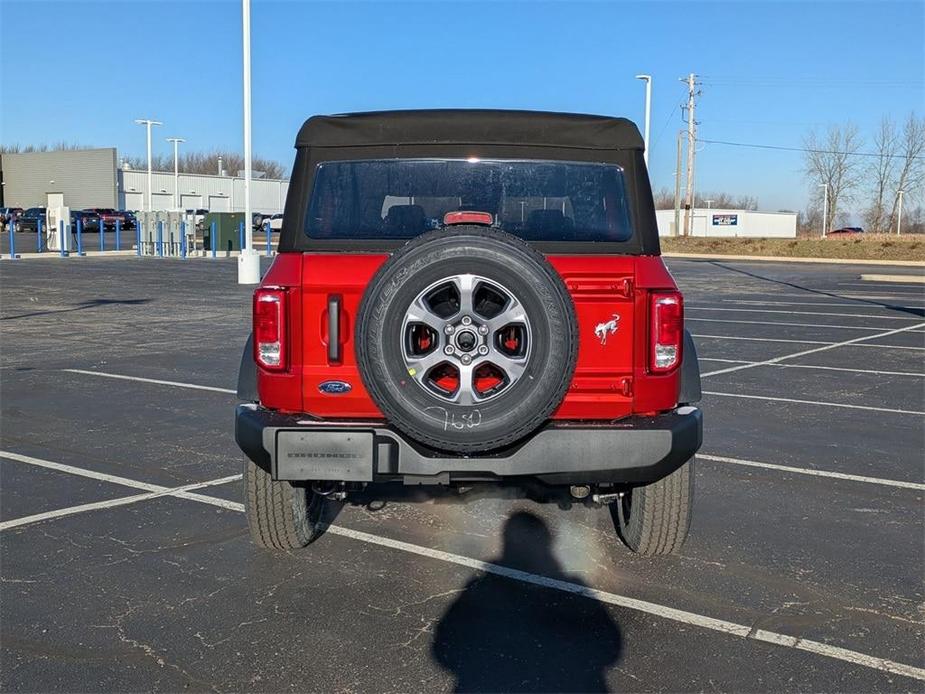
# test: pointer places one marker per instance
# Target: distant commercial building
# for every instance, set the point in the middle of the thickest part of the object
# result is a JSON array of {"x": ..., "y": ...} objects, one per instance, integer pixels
[
  {"x": 731, "y": 223},
  {"x": 214, "y": 193},
  {"x": 92, "y": 178},
  {"x": 86, "y": 178}
]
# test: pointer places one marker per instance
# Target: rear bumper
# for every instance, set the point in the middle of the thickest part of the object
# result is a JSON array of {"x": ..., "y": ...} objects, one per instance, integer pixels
[{"x": 636, "y": 450}]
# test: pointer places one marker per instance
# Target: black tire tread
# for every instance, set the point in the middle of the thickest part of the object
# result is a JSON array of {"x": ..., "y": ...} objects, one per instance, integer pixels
[
  {"x": 280, "y": 515},
  {"x": 660, "y": 514},
  {"x": 555, "y": 397}
]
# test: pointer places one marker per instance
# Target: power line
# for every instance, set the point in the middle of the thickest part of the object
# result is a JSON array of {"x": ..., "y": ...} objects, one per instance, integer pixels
[
  {"x": 804, "y": 149},
  {"x": 664, "y": 127}
]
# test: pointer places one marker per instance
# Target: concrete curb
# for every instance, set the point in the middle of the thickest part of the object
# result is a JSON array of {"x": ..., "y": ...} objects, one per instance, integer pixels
[
  {"x": 783, "y": 259},
  {"x": 905, "y": 279}
]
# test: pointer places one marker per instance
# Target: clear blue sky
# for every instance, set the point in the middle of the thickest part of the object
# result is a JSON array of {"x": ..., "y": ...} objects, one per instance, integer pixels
[{"x": 771, "y": 71}]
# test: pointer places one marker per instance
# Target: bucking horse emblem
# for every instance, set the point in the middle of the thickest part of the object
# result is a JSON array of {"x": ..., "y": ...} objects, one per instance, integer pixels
[{"x": 604, "y": 329}]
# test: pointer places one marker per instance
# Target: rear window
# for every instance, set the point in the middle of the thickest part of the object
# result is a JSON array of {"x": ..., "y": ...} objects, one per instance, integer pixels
[{"x": 402, "y": 198}]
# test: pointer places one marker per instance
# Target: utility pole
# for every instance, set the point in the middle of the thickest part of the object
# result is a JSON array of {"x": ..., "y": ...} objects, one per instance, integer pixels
[
  {"x": 176, "y": 170},
  {"x": 899, "y": 212},
  {"x": 147, "y": 122},
  {"x": 691, "y": 144},
  {"x": 677, "y": 189}
]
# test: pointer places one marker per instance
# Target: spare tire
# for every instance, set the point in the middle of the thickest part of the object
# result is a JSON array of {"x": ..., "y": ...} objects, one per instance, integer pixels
[{"x": 466, "y": 339}]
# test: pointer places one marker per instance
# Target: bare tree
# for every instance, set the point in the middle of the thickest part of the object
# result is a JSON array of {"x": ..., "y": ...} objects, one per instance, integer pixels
[
  {"x": 883, "y": 172},
  {"x": 28, "y": 149},
  {"x": 664, "y": 199},
  {"x": 910, "y": 177},
  {"x": 829, "y": 159},
  {"x": 207, "y": 163}
]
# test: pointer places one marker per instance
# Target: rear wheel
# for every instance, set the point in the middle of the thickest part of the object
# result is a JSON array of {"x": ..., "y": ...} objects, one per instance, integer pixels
[
  {"x": 280, "y": 515},
  {"x": 655, "y": 519}
]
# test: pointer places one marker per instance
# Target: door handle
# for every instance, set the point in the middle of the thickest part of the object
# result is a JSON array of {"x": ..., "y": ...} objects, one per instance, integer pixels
[{"x": 334, "y": 350}]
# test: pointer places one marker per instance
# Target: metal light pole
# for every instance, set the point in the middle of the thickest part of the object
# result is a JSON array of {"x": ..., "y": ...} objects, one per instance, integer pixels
[
  {"x": 148, "y": 123},
  {"x": 825, "y": 210},
  {"x": 248, "y": 261},
  {"x": 899, "y": 211},
  {"x": 176, "y": 169},
  {"x": 648, "y": 80}
]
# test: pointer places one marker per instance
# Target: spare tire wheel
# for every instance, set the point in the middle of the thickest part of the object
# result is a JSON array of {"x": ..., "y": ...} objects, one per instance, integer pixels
[{"x": 466, "y": 339}]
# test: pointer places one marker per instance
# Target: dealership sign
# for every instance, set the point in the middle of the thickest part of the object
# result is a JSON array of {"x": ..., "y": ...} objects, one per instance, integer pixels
[{"x": 725, "y": 220}]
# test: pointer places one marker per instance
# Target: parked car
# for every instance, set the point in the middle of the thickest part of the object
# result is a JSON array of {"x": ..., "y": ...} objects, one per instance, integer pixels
[
  {"x": 130, "y": 220},
  {"x": 29, "y": 220},
  {"x": 276, "y": 222},
  {"x": 89, "y": 220},
  {"x": 109, "y": 216},
  {"x": 8, "y": 214},
  {"x": 845, "y": 231},
  {"x": 444, "y": 325},
  {"x": 257, "y": 220}
]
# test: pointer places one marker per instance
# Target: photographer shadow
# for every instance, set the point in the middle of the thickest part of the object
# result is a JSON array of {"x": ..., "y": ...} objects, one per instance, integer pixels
[{"x": 504, "y": 635}]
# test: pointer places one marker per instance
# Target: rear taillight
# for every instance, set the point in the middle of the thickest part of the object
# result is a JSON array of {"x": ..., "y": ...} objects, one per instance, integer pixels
[
  {"x": 270, "y": 334},
  {"x": 666, "y": 320}
]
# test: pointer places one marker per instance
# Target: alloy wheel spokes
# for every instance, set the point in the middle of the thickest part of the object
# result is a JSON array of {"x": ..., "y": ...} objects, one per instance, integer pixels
[{"x": 466, "y": 339}]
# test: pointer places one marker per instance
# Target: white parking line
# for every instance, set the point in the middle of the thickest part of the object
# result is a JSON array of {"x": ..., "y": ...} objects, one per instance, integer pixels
[
  {"x": 812, "y": 402},
  {"x": 802, "y": 313},
  {"x": 785, "y": 357},
  {"x": 773, "y": 323},
  {"x": 799, "y": 342},
  {"x": 644, "y": 606},
  {"x": 155, "y": 381},
  {"x": 814, "y": 473},
  {"x": 111, "y": 503},
  {"x": 849, "y": 304},
  {"x": 114, "y": 479},
  {"x": 815, "y": 366},
  {"x": 663, "y": 611},
  {"x": 759, "y": 293}
]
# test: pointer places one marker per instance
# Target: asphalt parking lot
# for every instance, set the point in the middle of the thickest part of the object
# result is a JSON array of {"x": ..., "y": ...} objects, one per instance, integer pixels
[{"x": 126, "y": 565}]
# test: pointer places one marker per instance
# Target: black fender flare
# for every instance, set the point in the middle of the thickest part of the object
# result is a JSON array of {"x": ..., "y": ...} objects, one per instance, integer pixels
[
  {"x": 690, "y": 373},
  {"x": 247, "y": 373}
]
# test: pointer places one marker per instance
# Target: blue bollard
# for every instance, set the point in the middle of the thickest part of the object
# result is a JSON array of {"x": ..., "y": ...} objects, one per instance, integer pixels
[
  {"x": 160, "y": 239},
  {"x": 38, "y": 236},
  {"x": 212, "y": 241},
  {"x": 118, "y": 230},
  {"x": 11, "y": 225},
  {"x": 241, "y": 236},
  {"x": 137, "y": 238},
  {"x": 102, "y": 234},
  {"x": 183, "y": 239},
  {"x": 80, "y": 245},
  {"x": 269, "y": 231},
  {"x": 61, "y": 238}
]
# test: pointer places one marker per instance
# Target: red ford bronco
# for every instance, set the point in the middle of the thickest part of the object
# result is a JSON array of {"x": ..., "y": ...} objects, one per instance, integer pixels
[{"x": 468, "y": 297}]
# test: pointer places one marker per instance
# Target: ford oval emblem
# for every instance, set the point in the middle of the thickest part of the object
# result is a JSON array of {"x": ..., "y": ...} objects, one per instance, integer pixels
[{"x": 335, "y": 387}]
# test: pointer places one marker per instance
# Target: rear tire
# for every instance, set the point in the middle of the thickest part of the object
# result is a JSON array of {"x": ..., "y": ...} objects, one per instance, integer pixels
[
  {"x": 281, "y": 515},
  {"x": 655, "y": 519}
]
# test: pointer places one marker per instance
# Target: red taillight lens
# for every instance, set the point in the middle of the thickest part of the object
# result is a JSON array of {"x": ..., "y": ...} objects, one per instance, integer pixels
[
  {"x": 666, "y": 316},
  {"x": 270, "y": 328}
]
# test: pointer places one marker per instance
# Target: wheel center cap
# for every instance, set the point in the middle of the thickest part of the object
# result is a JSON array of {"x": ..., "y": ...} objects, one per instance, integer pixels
[{"x": 466, "y": 340}]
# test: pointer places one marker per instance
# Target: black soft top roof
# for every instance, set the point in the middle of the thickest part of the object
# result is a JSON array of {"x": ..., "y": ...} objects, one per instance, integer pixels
[{"x": 470, "y": 126}]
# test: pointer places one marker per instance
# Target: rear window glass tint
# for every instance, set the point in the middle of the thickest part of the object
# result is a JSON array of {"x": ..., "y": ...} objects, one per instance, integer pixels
[{"x": 402, "y": 198}]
